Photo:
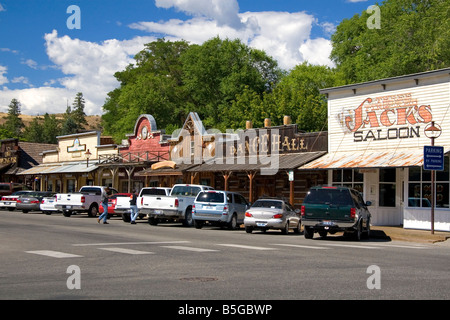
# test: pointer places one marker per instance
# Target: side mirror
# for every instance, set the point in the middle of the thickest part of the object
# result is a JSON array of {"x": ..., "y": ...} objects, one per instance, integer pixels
[{"x": 368, "y": 203}]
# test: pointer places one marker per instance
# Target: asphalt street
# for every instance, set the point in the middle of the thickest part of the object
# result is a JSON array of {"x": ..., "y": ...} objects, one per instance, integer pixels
[{"x": 54, "y": 257}]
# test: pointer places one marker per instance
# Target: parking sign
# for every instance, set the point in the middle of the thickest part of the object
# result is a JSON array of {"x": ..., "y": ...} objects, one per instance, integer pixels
[{"x": 433, "y": 158}]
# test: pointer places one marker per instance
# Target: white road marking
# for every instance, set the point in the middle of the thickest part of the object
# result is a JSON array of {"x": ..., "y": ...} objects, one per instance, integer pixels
[
  {"x": 400, "y": 246},
  {"x": 127, "y": 251},
  {"x": 299, "y": 246},
  {"x": 189, "y": 249},
  {"x": 126, "y": 243},
  {"x": 54, "y": 254},
  {"x": 349, "y": 246},
  {"x": 245, "y": 247}
]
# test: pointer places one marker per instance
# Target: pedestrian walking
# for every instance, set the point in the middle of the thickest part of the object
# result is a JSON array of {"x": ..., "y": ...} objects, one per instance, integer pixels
[
  {"x": 104, "y": 204},
  {"x": 133, "y": 206}
]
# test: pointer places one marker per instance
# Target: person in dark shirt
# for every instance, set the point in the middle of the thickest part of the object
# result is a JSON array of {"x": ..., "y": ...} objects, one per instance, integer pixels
[{"x": 133, "y": 207}]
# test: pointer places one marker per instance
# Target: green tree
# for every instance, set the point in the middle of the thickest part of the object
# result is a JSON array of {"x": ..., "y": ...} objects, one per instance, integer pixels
[
  {"x": 414, "y": 37},
  {"x": 152, "y": 85},
  {"x": 219, "y": 70},
  {"x": 34, "y": 132},
  {"x": 298, "y": 96},
  {"x": 78, "y": 114},
  {"x": 14, "y": 123},
  {"x": 51, "y": 128},
  {"x": 69, "y": 125}
]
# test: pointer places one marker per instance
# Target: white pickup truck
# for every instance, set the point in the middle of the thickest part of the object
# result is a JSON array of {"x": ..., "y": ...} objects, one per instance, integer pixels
[
  {"x": 88, "y": 199},
  {"x": 175, "y": 207},
  {"x": 145, "y": 197}
]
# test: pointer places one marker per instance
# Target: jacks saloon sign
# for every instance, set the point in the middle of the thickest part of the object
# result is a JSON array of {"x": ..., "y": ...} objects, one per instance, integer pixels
[{"x": 386, "y": 118}]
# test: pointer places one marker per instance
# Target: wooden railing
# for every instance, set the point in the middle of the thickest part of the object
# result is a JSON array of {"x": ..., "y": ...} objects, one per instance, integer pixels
[{"x": 134, "y": 157}]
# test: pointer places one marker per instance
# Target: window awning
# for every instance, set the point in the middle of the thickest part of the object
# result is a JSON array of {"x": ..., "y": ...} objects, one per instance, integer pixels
[
  {"x": 79, "y": 167},
  {"x": 285, "y": 162},
  {"x": 369, "y": 159}
]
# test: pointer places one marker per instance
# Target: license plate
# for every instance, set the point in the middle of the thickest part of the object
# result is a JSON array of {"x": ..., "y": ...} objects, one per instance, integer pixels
[
  {"x": 67, "y": 207},
  {"x": 261, "y": 224},
  {"x": 209, "y": 208},
  {"x": 327, "y": 223},
  {"x": 158, "y": 211},
  {"x": 7, "y": 203}
]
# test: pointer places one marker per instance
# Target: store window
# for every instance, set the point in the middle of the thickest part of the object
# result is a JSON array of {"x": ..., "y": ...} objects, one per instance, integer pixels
[
  {"x": 352, "y": 178},
  {"x": 387, "y": 181},
  {"x": 419, "y": 187}
]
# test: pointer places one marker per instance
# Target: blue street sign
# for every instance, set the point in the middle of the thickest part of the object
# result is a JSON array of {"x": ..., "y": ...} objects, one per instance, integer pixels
[{"x": 433, "y": 158}]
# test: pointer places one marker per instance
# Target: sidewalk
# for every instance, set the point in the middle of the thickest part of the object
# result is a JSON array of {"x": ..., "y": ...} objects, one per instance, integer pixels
[{"x": 413, "y": 235}]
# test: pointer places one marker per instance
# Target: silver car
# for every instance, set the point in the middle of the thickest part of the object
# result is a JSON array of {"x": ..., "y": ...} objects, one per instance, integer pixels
[
  {"x": 223, "y": 208},
  {"x": 32, "y": 201},
  {"x": 268, "y": 213}
]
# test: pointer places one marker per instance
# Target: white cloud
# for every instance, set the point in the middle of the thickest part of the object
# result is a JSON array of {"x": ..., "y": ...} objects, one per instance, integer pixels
[
  {"x": 280, "y": 34},
  {"x": 2, "y": 8},
  {"x": 3, "y": 79},
  {"x": 223, "y": 12},
  {"x": 88, "y": 67}
]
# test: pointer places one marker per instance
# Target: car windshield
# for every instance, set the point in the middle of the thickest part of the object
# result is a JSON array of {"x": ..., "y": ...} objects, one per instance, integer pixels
[
  {"x": 273, "y": 204},
  {"x": 215, "y": 197},
  {"x": 155, "y": 192},
  {"x": 329, "y": 196},
  {"x": 185, "y": 191}
]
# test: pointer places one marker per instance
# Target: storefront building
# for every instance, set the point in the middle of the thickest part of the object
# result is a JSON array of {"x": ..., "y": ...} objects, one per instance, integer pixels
[
  {"x": 255, "y": 162},
  {"x": 376, "y": 139},
  {"x": 73, "y": 162}
]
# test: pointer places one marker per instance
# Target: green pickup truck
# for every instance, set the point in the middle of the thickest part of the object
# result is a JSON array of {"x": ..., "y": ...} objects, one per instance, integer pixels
[{"x": 327, "y": 209}]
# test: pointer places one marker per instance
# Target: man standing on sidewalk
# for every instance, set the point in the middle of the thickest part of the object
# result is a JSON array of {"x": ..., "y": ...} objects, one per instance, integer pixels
[{"x": 133, "y": 206}]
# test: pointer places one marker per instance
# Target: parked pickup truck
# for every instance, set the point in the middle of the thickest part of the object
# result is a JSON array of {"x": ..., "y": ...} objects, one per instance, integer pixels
[
  {"x": 147, "y": 193},
  {"x": 333, "y": 209},
  {"x": 175, "y": 207},
  {"x": 88, "y": 199}
]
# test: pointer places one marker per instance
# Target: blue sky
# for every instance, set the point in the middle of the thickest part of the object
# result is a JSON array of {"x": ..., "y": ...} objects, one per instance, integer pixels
[{"x": 44, "y": 64}]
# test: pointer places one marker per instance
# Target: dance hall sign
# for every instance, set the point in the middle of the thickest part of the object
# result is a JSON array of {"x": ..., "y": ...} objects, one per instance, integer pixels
[{"x": 386, "y": 118}]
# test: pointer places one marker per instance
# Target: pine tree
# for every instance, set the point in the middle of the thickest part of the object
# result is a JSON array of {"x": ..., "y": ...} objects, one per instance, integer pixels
[
  {"x": 14, "y": 123},
  {"x": 78, "y": 114}
]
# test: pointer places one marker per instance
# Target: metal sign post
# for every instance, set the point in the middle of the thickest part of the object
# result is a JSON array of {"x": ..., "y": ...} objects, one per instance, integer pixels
[{"x": 433, "y": 160}]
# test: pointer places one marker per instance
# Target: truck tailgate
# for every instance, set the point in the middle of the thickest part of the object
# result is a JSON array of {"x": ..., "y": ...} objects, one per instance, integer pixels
[{"x": 327, "y": 212}]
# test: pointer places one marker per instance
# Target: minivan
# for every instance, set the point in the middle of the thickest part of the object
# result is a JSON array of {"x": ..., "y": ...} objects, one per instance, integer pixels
[{"x": 221, "y": 208}]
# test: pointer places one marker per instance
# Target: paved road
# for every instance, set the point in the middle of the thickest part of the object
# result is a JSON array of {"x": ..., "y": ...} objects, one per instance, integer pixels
[{"x": 42, "y": 256}]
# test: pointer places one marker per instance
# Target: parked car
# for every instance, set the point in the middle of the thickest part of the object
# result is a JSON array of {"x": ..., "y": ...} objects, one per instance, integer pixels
[
  {"x": 327, "y": 209},
  {"x": 112, "y": 201},
  {"x": 9, "y": 202},
  {"x": 88, "y": 199},
  {"x": 47, "y": 205},
  {"x": 8, "y": 188},
  {"x": 272, "y": 213},
  {"x": 32, "y": 201},
  {"x": 220, "y": 208}
]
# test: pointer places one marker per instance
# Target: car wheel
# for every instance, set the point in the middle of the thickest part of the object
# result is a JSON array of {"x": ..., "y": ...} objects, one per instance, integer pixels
[
  {"x": 153, "y": 221},
  {"x": 126, "y": 217},
  {"x": 285, "y": 230},
  {"x": 67, "y": 213},
  {"x": 93, "y": 210},
  {"x": 188, "y": 222},
  {"x": 308, "y": 232},
  {"x": 357, "y": 233},
  {"x": 233, "y": 222},
  {"x": 198, "y": 224},
  {"x": 367, "y": 232},
  {"x": 248, "y": 229},
  {"x": 48, "y": 212},
  {"x": 299, "y": 228},
  {"x": 24, "y": 211}
]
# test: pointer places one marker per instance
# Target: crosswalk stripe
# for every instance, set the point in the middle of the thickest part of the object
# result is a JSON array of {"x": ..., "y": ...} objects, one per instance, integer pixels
[
  {"x": 127, "y": 251},
  {"x": 54, "y": 254},
  {"x": 189, "y": 248},
  {"x": 126, "y": 243},
  {"x": 349, "y": 246},
  {"x": 246, "y": 247},
  {"x": 300, "y": 246}
]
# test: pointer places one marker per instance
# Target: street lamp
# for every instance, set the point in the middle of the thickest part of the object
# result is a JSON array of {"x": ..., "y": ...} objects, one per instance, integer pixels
[
  {"x": 88, "y": 154},
  {"x": 432, "y": 131}
]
